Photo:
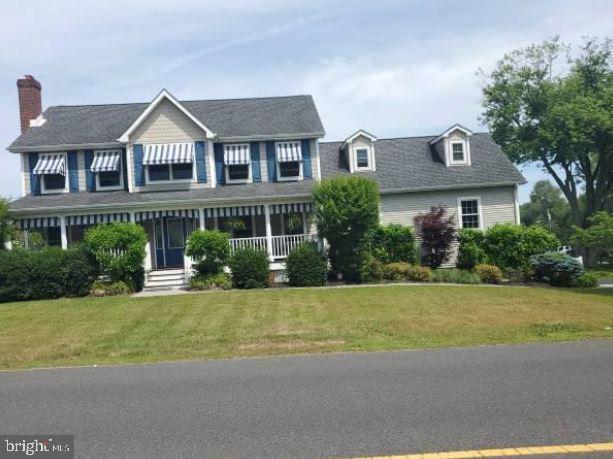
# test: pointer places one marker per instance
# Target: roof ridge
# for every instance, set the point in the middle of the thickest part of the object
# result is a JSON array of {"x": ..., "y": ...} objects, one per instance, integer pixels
[
  {"x": 181, "y": 101},
  {"x": 403, "y": 138}
]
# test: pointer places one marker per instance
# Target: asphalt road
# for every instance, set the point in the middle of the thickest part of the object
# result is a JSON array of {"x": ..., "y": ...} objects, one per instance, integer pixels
[{"x": 323, "y": 405}]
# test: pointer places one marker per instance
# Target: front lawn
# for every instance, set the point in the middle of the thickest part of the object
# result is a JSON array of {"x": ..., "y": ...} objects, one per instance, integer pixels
[{"x": 264, "y": 322}]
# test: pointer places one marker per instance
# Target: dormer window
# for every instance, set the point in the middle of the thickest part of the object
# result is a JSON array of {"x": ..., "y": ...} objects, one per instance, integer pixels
[
  {"x": 238, "y": 163},
  {"x": 289, "y": 161},
  {"x": 107, "y": 167},
  {"x": 361, "y": 156},
  {"x": 457, "y": 152},
  {"x": 52, "y": 170}
]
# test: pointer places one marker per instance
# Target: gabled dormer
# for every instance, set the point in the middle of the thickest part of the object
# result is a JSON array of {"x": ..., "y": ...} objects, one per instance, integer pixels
[
  {"x": 359, "y": 149},
  {"x": 453, "y": 146}
]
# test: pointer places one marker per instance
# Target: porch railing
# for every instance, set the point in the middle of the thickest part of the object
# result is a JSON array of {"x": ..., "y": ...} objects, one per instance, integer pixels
[{"x": 281, "y": 245}]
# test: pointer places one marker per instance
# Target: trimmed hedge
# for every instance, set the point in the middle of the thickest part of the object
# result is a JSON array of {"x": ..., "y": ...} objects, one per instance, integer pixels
[
  {"x": 557, "y": 269},
  {"x": 220, "y": 281},
  {"x": 489, "y": 274},
  {"x": 587, "y": 280},
  {"x": 211, "y": 249},
  {"x": 393, "y": 243},
  {"x": 250, "y": 268},
  {"x": 471, "y": 249},
  {"x": 455, "y": 276},
  {"x": 44, "y": 274},
  {"x": 306, "y": 266},
  {"x": 511, "y": 246}
]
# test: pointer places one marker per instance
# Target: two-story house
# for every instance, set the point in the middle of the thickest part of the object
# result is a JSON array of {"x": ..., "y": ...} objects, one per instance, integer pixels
[{"x": 246, "y": 166}]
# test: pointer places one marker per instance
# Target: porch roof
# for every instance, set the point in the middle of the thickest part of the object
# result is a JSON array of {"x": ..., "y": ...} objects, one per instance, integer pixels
[{"x": 248, "y": 194}]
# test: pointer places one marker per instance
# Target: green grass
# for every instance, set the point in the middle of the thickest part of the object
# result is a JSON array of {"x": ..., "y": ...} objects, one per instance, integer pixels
[{"x": 248, "y": 323}]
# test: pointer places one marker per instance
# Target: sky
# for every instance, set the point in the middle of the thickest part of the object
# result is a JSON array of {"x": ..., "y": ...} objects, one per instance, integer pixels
[{"x": 393, "y": 68}]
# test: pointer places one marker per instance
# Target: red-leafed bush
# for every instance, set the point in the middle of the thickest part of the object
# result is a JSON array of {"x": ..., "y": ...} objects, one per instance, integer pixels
[{"x": 437, "y": 231}]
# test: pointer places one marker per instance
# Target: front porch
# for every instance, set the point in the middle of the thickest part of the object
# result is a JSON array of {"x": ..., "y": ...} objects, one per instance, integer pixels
[{"x": 274, "y": 228}]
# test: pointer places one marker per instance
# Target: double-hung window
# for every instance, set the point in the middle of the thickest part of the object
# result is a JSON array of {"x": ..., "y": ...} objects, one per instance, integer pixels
[
  {"x": 361, "y": 158},
  {"x": 107, "y": 167},
  {"x": 458, "y": 155},
  {"x": 237, "y": 161},
  {"x": 171, "y": 162},
  {"x": 289, "y": 160},
  {"x": 52, "y": 171},
  {"x": 470, "y": 212}
]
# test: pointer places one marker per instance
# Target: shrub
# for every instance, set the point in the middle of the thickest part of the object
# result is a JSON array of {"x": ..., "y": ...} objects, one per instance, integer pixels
[
  {"x": 511, "y": 246},
  {"x": 249, "y": 268},
  {"x": 79, "y": 270},
  {"x": 220, "y": 281},
  {"x": 419, "y": 274},
  {"x": 306, "y": 266},
  {"x": 587, "y": 280},
  {"x": 392, "y": 243},
  {"x": 489, "y": 274},
  {"x": 346, "y": 211},
  {"x": 120, "y": 250},
  {"x": 395, "y": 271},
  {"x": 471, "y": 250},
  {"x": 557, "y": 269},
  {"x": 210, "y": 249},
  {"x": 371, "y": 269},
  {"x": 46, "y": 273},
  {"x": 599, "y": 235},
  {"x": 104, "y": 288},
  {"x": 455, "y": 276},
  {"x": 437, "y": 232}
]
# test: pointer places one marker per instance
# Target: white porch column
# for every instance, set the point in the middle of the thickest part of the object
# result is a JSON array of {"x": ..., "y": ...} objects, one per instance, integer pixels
[
  {"x": 216, "y": 222},
  {"x": 63, "y": 233},
  {"x": 147, "y": 264},
  {"x": 201, "y": 219},
  {"x": 268, "y": 232},
  {"x": 133, "y": 217}
]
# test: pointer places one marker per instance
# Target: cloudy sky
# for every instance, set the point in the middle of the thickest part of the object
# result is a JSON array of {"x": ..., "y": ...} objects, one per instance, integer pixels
[{"x": 394, "y": 68}]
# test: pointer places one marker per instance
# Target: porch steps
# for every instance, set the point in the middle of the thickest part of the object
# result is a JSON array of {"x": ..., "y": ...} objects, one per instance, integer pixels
[{"x": 165, "y": 279}]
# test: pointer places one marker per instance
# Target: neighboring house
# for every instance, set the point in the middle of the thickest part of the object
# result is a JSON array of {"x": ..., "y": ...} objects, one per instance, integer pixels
[{"x": 244, "y": 165}]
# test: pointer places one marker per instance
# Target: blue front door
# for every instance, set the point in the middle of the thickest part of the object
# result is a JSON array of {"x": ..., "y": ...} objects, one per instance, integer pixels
[{"x": 169, "y": 242}]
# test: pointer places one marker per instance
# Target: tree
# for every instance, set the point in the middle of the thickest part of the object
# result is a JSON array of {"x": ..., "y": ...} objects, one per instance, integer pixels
[
  {"x": 598, "y": 236},
  {"x": 544, "y": 108},
  {"x": 549, "y": 209},
  {"x": 6, "y": 229},
  {"x": 346, "y": 211},
  {"x": 437, "y": 231}
]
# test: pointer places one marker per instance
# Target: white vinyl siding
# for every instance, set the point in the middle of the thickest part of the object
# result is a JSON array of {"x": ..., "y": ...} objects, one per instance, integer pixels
[{"x": 497, "y": 205}]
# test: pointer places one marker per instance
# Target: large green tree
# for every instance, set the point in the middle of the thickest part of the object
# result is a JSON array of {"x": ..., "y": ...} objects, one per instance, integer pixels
[
  {"x": 549, "y": 209},
  {"x": 543, "y": 107}
]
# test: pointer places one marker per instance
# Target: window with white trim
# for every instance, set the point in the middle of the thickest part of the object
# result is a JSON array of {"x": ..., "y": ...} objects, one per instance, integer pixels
[
  {"x": 238, "y": 173},
  {"x": 54, "y": 178},
  {"x": 469, "y": 213},
  {"x": 53, "y": 183},
  {"x": 170, "y": 172},
  {"x": 458, "y": 153},
  {"x": 237, "y": 161},
  {"x": 361, "y": 158},
  {"x": 290, "y": 170}
]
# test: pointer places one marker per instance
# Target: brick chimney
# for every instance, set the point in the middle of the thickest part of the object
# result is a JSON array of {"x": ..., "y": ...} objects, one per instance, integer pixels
[{"x": 30, "y": 103}]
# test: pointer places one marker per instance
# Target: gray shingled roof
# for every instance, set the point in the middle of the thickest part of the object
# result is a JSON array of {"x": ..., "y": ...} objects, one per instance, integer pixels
[
  {"x": 252, "y": 193},
  {"x": 410, "y": 163},
  {"x": 95, "y": 124}
]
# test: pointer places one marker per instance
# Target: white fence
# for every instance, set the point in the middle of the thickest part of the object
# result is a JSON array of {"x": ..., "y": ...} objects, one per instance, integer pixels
[{"x": 281, "y": 245}]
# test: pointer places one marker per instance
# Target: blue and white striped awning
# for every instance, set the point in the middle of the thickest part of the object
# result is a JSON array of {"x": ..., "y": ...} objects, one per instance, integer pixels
[
  {"x": 295, "y": 208},
  {"x": 237, "y": 211},
  {"x": 288, "y": 151},
  {"x": 168, "y": 153},
  {"x": 106, "y": 161},
  {"x": 140, "y": 216},
  {"x": 95, "y": 219},
  {"x": 43, "y": 222},
  {"x": 237, "y": 154},
  {"x": 50, "y": 164}
]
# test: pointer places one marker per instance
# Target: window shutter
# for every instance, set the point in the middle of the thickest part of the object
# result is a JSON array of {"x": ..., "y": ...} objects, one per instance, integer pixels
[
  {"x": 255, "y": 162},
  {"x": 271, "y": 161},
  {"x": 34, "y": 179},
  {"x": 73, "y": 171},
  {"x": 307, "y": 169},
  {"x": 90, "y": 178},
  {"x": 219, "y": 172},
  {"x": 124, "y": 168},
  {"x": 201, "y": 161},
  {"x": 139, "y": 170}
]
